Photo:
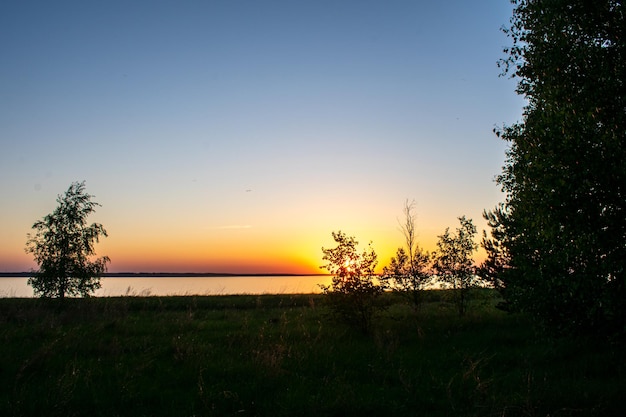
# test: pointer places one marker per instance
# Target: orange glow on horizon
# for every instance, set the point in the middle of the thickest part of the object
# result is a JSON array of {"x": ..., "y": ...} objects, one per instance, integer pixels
[
  {"x": 252, "y": 249},
  {"x": 234, "y": 253},
  {"x": 245, "y": 256}
]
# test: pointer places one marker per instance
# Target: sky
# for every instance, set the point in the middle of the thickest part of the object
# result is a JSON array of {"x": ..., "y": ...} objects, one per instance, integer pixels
[{"x": 235, "y": 136}]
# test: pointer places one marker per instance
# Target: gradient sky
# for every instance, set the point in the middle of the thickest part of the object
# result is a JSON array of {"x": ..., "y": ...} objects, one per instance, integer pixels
[{"x": 235, "y": 136}]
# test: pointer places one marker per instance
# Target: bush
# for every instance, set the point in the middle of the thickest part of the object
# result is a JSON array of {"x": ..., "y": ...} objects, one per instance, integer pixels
[{"x": 352, "y": 294}]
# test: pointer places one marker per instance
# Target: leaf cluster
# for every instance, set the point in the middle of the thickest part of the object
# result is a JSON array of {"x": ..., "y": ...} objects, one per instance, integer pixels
[{"x": 408, "y": 274}]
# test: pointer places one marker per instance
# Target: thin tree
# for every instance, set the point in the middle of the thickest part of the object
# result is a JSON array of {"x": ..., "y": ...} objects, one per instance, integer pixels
[
  {"x": 63, "y": 247},
  {"x": 453, "y": 262},
  {"x": 408, "y": 272}
]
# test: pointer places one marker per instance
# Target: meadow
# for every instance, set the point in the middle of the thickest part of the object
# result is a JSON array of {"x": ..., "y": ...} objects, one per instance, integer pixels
[{"x": 283, "y": 355}]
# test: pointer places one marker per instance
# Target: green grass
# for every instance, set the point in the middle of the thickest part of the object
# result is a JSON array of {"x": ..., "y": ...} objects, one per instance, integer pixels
[{"x": 282, "y": 355}]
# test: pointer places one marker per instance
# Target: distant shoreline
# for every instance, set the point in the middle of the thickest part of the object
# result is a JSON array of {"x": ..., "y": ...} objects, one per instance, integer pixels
[{"x": 170, "y": 275}]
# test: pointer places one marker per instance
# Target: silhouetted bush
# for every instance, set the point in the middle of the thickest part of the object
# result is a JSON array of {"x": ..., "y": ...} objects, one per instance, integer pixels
[{"x": 352, "y": 294}]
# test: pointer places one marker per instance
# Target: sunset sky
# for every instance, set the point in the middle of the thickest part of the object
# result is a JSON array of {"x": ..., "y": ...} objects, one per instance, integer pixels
[{"x": 235, "y": 136}]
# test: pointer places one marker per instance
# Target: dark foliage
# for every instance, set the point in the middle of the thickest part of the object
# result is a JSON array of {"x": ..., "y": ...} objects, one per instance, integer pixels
[
  {"x": 353, "y": 293},
  {"x": 453, "y": 262},
  {"x": 562, "y": 229}
]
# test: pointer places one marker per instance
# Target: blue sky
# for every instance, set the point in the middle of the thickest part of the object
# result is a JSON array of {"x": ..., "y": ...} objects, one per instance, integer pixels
[{"x": 238, "y": 134}]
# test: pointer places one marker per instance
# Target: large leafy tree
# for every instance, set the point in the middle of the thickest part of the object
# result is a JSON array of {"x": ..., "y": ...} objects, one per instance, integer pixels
[
  {"x": 63, "y": 247},
  {"x": 564, "y": 218}
]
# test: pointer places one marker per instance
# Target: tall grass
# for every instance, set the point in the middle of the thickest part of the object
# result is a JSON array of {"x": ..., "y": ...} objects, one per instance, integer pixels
[{"x": 281, "y": 355}]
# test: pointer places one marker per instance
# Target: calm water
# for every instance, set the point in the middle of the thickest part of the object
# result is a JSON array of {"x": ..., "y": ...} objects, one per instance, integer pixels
[{"x": 113, "y": 287}]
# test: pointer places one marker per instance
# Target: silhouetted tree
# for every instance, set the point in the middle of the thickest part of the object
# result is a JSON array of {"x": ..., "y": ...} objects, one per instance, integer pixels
[
  {"x": 453, "y": 262},
  {"x": 409, "y": 271},
  {"x": 496, "y": 245},
  {"x": 565, "y": 176},
  {"x": 353, "y": 293},
  {"x": 62, "y": 246}
]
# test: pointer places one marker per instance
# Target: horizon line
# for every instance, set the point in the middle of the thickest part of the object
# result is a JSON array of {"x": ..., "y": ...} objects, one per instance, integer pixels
[{"x": 173, "y": 274}]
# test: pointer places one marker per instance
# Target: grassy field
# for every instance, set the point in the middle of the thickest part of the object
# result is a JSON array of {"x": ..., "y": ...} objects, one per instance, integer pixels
[{"x": 281, "y": 355}]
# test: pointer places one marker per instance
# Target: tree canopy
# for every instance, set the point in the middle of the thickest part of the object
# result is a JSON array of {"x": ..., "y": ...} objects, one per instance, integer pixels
[
  {"x": 562, "y": 227},
  {"x": 63, "y": 244}
]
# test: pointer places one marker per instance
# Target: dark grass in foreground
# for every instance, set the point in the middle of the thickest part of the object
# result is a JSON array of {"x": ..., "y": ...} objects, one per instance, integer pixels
[{"x": 281, "y": 355}]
